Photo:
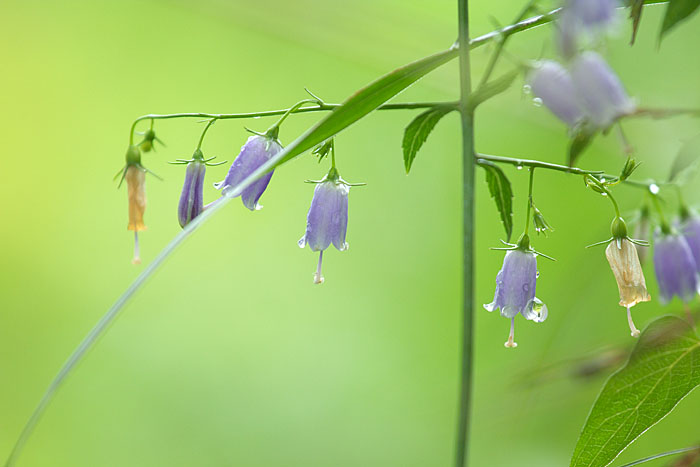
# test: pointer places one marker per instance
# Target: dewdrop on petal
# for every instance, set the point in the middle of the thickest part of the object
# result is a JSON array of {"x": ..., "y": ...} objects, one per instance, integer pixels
[
  {"x": 254, "y": 153},
  {"x": 327, "y": 220},
  {"x": 553, "y": 85},
  {"x": 515, "y": 289},
  {"x": 624, "y": 262}
]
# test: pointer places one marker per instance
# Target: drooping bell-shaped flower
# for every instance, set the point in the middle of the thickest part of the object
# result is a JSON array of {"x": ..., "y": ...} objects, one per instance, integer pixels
[
  {"x": 135, "y": 176},
  {"x": 552, "y": 84},
  {"x": 624, "y": 262},
  {"x": 583, "y": 19},
  {"x": 191, "y": 200},
  {"x": 675, "y": 267},
  {"x": 600, "y": 92},
  {"x": 690, "y": 228},
  {"x": 254, "y": 153},
  {"x": 515, "y": 290},
  {"x": 327, "y": 220}
]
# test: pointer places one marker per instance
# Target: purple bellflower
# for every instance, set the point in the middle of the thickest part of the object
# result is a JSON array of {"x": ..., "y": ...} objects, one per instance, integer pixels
[
  {"x": 675, "y": 267},
  {"x": 584, "y": 19},
  {"x": 191, "y": 201},
  {"x": 690, "y": 228},
  {"x": 600, "y": 92},
  {"x": 552, "y": 84},
  {"x": 327, "y": 220},
  {"x": 254, "y": 153},
  {"x": 515, "y": 290}
]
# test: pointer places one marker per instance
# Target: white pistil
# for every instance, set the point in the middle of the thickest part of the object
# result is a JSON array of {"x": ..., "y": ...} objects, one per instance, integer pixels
[
  {"x": 318, "y": 278},
  {"x": 511, "y": 344},
  {"x": 633, "y": 328},
  {"x": 137, "y": 252}
]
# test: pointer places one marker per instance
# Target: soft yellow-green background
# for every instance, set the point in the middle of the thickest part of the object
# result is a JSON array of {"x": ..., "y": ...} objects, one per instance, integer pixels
[{"x": 230, "y": 355}]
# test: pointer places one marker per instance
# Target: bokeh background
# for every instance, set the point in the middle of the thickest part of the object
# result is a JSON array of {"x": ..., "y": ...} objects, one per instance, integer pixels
[{"x": 230, "y": 355}]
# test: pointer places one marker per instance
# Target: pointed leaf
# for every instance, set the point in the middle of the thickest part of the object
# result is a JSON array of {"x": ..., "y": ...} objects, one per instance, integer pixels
[
  {"x": 685, "y": 163},
  {"x": 501, "y": 192},
  {"x": 663, "y": 368},
  {"x": 581, "y": 138},
  {"x": 636, "y": 7},
  {"x": 677, "y": 11},
  {"x": 418, "y": 130}
]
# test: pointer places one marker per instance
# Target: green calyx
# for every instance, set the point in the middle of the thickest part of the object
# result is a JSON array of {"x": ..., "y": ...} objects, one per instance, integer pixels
[
  {"x": 133, "y": 156},
  {"x": 618, "y": 228},
  {"x": 524, "y": 242}
]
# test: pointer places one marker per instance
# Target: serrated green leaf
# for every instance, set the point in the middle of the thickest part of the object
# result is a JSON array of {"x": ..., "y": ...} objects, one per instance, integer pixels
[
  {"x": 416, "y": 133},
  {"x": 363, "y": 102},
  {"x": 686, "y": 161},
  {"x": 492, "y": 88},
  {"x": 663, "y": 368},
  {"x": 677, "y": 11},
  {"x": 501, "y": 192}
]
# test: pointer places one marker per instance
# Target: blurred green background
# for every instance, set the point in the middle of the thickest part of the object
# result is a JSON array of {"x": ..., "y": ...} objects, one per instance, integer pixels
[{"x": 230, "y": 355}]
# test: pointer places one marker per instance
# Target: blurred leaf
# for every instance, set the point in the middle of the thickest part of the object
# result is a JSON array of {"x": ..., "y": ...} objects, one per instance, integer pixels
[
  {"x": 492, "y": 88},
  {"x": 636, "y": 7},
  {"x": 677, "y": 11},
  {"x": 582, "y": 137},
  {"x": 365, "y": 101},
  {"x": 686, "y": 161},
  {"x": 416, "y": 133},
  {"x": 663, "y": 368},
  {"x": 501, "y": 192}
]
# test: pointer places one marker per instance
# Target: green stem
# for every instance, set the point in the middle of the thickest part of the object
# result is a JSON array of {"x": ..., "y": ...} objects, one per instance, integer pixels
[
  {"x": 663, "y": 454},
  {"x": 665, "y": 227},
  {"x": 204, "y": 132},
  {"x": 468, "y": 164},
  {"x": 529, "y": 200}
]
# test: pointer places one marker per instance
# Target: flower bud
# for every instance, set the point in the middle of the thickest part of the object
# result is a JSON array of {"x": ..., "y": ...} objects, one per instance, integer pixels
[
  {"x": 540, "y": 223},
  {"x": 552, "y": 83},
  {"x": 191, "y": 200},
  {"x": 515, "y": 290},
  {"x": 599, "y": 89},
  {"x": 327, "y": 220},
  {"x": 254, "y": 153},
  {"x": 675, "y": 267}
]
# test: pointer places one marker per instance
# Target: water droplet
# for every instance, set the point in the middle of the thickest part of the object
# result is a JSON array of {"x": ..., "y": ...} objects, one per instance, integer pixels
[
  {"x": 527, "y": 89},
  {"x": 519, "y": 167},
  {"x": 537, "y": 274},
  {"x": 604, "y": 194},
  {"x": 537, "y": 101},
  {"x": 654, "y": 188},
  {"x": 526, "y": 287},
  {"x": 602, "y": 180},
  {"x": 256, "y": 117}
]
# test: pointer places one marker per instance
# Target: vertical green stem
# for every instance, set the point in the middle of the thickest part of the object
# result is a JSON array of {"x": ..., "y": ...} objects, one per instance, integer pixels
[
  {"x": 468, "y": 164},
  {"x": 529, "y": 200}
]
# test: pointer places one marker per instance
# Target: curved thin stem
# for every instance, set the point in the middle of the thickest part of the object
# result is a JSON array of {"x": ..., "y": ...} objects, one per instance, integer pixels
[
  {"x": 663, "y": 454},
  {"x": 204, "y": 132}
]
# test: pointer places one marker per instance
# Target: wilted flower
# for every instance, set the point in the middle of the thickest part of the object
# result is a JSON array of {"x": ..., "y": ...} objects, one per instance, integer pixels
[
  {"x": 552, "y": 84},
  {"x": 327, "y": 220},
  {"x": 515, "y": 290},
  {"x": 675, "y": 267},
  {"x": 191, "y": 200},
  {"x": 690, "y": 228},
  {"x": 585, "y": 19},
  {"x": 600, "y": 91},
  {"x": 135, "y": 175},
  {"x": 254, "y": 153},
  {"x": 624, "y": 262}
]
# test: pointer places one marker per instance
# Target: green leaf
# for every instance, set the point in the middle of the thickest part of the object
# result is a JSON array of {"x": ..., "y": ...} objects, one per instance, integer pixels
[
  {"x": 636, "y": 7},
  {"x": 677, "y": 11},
  {"x": 663, "y": 368},
  {"x": 500, "y": 190},
  {"x": 418, "y": 130},
  {"x": 492, "y": 88},
  {"x": 363, "y": 102},
  {"x": 686, "y": 161}
]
